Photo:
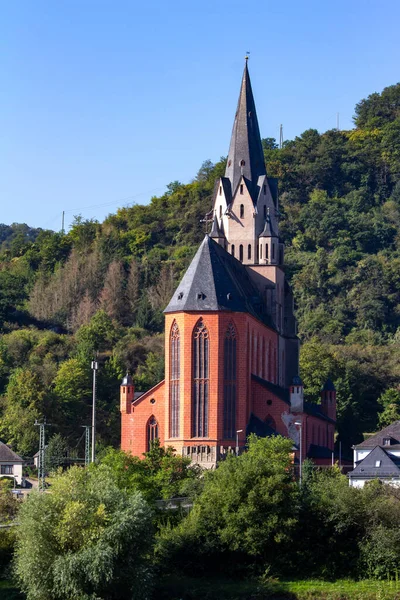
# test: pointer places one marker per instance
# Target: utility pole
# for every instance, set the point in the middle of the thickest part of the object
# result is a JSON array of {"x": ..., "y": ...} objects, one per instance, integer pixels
[
  {"x": 87, "y": 444},
  {"x": 237, "y": 441},
  {"x": 337, "y": 121},
  {"x": 281, "y": 136},
  {"x": 42, "y": 452},
  {"x": 95, "y": 366},
  {"x": 62, "y": 222},
  {"x": 300, "y": 426}
]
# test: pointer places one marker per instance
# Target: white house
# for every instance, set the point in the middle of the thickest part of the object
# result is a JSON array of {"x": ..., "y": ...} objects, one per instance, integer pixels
[
  {"x": 10, "y": 464},
  {"x": 378, "y": 457}
]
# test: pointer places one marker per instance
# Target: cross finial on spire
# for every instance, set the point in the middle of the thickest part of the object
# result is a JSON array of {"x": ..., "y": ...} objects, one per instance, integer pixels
[{"x": 246, "y": 58}]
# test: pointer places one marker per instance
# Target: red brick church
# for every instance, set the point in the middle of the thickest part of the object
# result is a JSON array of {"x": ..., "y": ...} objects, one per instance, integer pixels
[{"x": 231, "y": 349}]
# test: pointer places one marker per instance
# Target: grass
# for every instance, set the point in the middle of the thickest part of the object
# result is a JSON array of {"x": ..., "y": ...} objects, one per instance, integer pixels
[
  {"x": 181, "y": 588},
  {"x": 220, "y": 589}
]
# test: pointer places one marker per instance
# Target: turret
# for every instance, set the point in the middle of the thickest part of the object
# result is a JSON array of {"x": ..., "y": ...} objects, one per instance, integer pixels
[
  {"x": 216, "y": 232},
  {"x": 127, "y": 393},
  {"x": 296, "y": 395},
  {"x": 268, "y": 244},
  {"x": 328, "y": 400}
]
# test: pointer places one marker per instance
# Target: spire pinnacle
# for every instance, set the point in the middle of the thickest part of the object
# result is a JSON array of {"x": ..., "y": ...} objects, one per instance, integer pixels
[{"x": 246, "y": 156}]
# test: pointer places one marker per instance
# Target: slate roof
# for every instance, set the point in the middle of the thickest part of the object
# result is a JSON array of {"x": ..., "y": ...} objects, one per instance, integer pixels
[
  {"x": 277, "y": 390},
  {"x": 245, "y": 142},
  {"x": 392, "y": 431},
  {"x": 8, "y": 455},
  {"x": 268, "y": 230},
  {"x": 216, "y": 281},
  {"x": 315, "y": 451},
  {"x": 259, "y": 427},
  {"x": 328, "y": 386},
  {"x": 389, "y": 467},
  {"x": 310, "y": 408},
  {"x": 215, "y": 232},
  {"x": 127, "y": 380}
]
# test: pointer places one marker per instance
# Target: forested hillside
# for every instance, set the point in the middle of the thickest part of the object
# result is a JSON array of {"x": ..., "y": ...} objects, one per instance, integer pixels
[{"x": 102, "y": 286}]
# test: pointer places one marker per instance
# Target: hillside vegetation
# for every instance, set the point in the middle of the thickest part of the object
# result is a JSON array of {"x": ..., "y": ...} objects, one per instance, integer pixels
[{"x": 102, "y": 286}]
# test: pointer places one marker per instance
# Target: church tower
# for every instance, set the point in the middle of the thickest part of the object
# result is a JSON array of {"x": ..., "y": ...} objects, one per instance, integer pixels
[
  {"x": 246, "y": 211},
  {"x": 231, "y": 351}
]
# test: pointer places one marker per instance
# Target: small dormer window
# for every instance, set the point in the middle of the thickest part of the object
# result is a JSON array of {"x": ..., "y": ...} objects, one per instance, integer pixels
[
  {"x": 386, "y": 441},
  {"x": 180, "y": 295},
  {"x": 241, "y": 189},
  {"x": 242, "y": 163},
  {"x": 241, "y": 209},
  {"x": 377, "y": 463}
]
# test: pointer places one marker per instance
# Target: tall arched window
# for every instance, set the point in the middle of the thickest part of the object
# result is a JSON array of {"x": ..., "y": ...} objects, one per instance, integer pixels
[
  {"x": 233, "y": 249},
  {"x": 175, "y": 367},
  {"x": 249, "y": 251},
  {"x": 200, "y": 380},
  {"x": 230, "y": 383},
  {"x": 241, "y": 253},
  {"x": 152, "y": 431},
  {"x": 241, "y": 210}
]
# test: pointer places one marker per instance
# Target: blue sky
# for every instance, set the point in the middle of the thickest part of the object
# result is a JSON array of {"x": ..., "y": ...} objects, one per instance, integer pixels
[{"x": 104, "y": 102}]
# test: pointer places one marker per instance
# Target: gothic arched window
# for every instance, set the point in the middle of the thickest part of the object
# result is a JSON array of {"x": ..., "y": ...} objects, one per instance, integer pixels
[
  {"x": 175, "y": 367},
  {"x": 152, "y": 431},
  {"x": 200, "y": 380},
  {"x": 241, "y": 210},
  {"x": 233, "y": 249},
  {"x": 230, "y": 382},
  {"x": 241, "y": 252},
  {"x": 249, "y": 251}
]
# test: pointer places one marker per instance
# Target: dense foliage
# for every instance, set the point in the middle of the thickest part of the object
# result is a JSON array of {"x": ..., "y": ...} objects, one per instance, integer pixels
[
  {"x": 87, "y": 539},
  {"x": 102, "y": 286},
  {"x": 100, "y": 533}
]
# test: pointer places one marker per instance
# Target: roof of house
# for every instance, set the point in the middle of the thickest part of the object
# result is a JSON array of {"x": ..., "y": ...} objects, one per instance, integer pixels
[
  {"x": 216, "y": 281},
  {"x": 246, "y": 156},
  {"x": 389, "y": 465},
  {"x": 8, "y": 455},
  {"x": 391, "y": 432}
]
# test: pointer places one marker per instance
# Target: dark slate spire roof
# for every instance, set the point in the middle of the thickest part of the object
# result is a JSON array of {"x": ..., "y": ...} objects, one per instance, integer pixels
[
  {"x": 215, "y": 281},
  {"x": 127, "y": 380},
  {"x": 215, "y": 232},
  {"x": 329, "y": 386},
  {"x": 246, "y": 142},
  {"x": 268, "y": 230}
]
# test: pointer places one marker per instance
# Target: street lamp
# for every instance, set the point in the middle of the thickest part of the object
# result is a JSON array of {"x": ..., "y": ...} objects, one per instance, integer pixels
[
  {"x": 237, "y": 441},
  {"x": 95, "y": 366},
  {"x": 300, "y": 426}
]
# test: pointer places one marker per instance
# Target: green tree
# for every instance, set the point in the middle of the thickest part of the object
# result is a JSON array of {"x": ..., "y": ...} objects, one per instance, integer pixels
[
  {"x": 88, "y": 539},
  {"x": 246, "y": 513}
]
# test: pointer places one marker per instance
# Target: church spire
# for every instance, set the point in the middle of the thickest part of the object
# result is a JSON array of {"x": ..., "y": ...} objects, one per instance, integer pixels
[{"x": 246, "y": 155}]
